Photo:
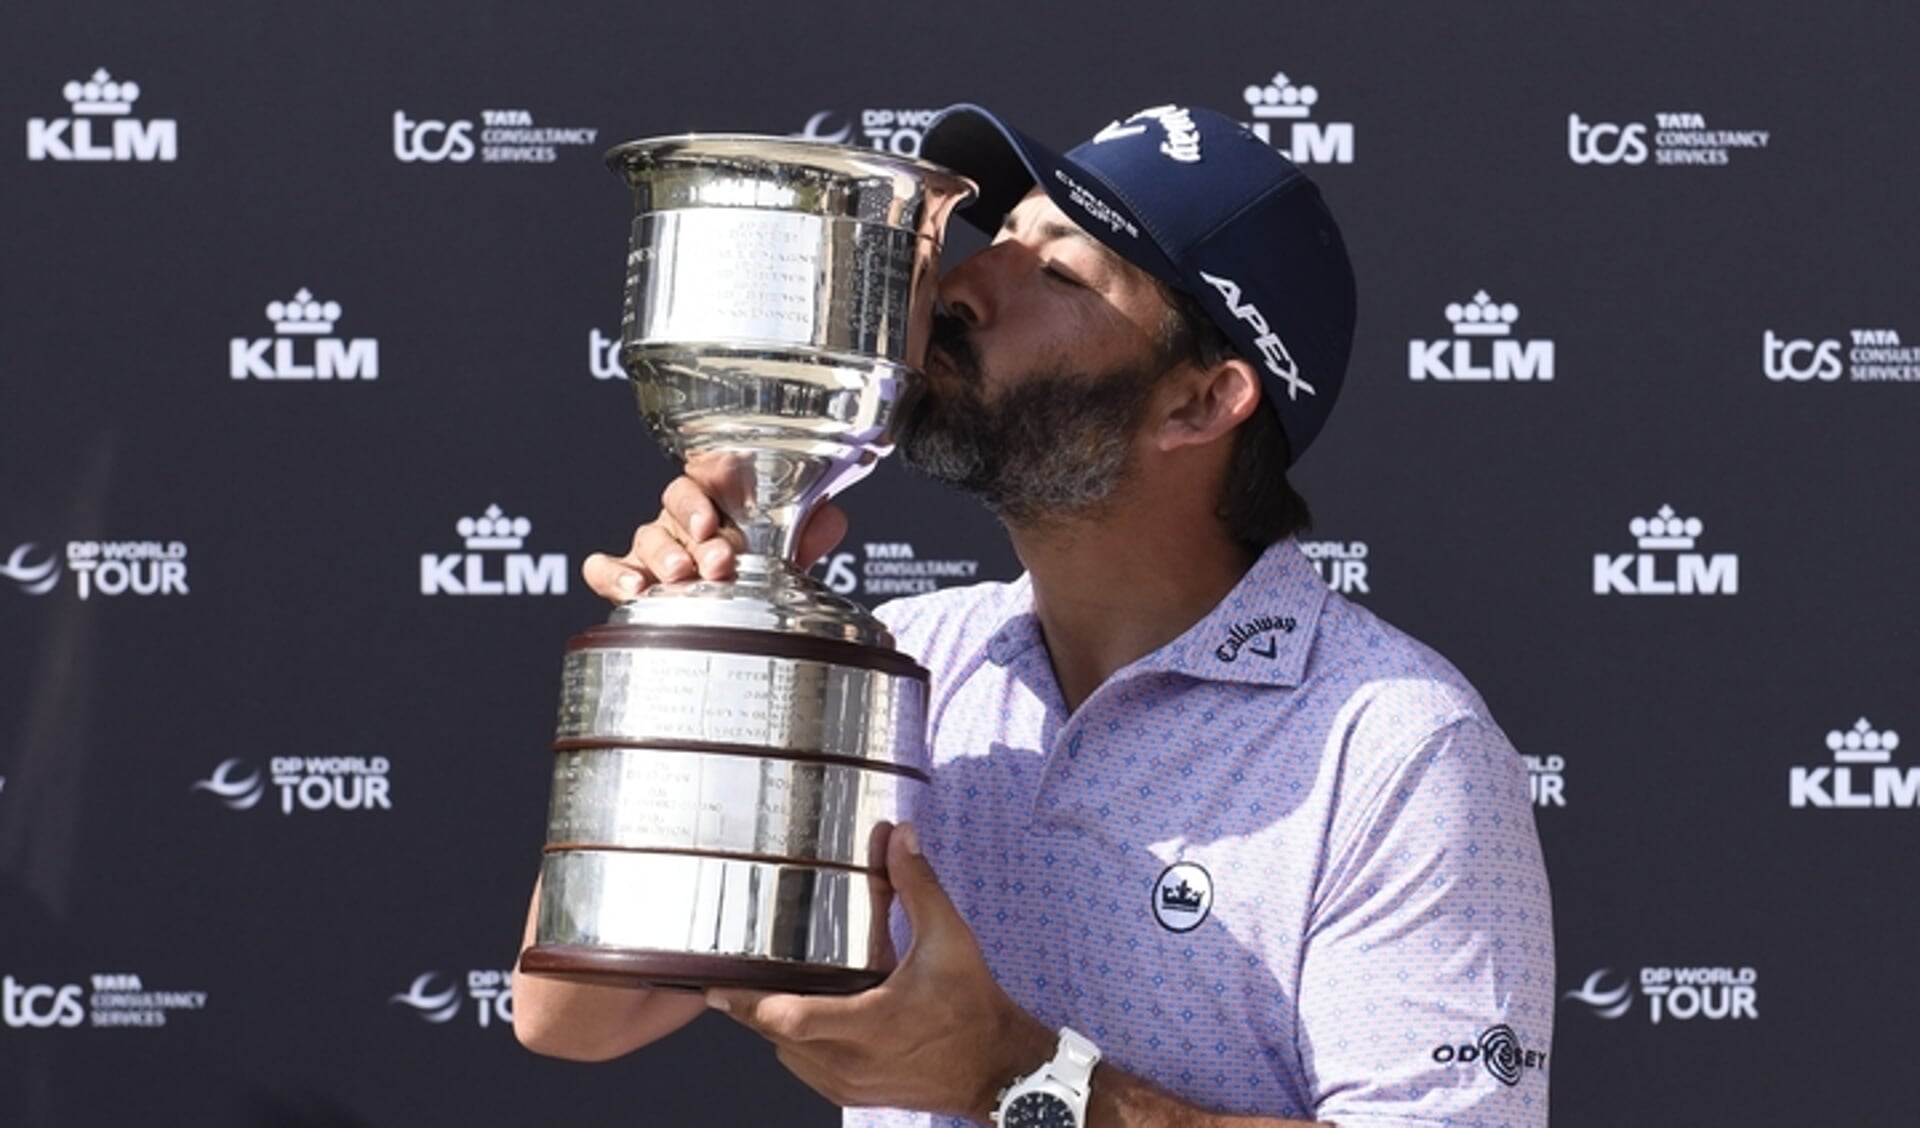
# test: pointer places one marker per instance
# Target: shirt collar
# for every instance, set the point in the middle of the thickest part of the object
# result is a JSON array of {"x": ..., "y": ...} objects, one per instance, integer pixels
[{"x": 1260, "y": 634}]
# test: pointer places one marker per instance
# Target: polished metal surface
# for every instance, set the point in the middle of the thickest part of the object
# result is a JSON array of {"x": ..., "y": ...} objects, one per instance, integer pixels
[
  {"x": 779, "y": 294},
  {"x": 727, "y": 753},
  {"x": 691, "y": 905},
  {"x": 725, "y": 803},
  {"x": 657, "y": 694}
]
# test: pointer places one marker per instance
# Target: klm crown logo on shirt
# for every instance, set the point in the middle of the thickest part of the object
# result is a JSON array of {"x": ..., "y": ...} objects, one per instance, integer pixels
[{"x": 1256, "y": 636}]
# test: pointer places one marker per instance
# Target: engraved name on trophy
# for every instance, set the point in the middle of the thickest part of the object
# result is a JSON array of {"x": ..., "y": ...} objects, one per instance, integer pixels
[{"x": 727, "y": 751}]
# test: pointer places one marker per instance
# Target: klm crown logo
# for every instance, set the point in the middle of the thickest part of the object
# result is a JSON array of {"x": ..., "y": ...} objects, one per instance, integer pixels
[
  {"x": 100, "y": 126},
  {"x": 303, "y": 345},
  {"x": 1666, "y": 563},
  {"x": 1480, "y": 347},
  {"x": 1280, "y": 109},
  {"x": 1861, "y": 775},
  {"x": 493, "y": 563}
]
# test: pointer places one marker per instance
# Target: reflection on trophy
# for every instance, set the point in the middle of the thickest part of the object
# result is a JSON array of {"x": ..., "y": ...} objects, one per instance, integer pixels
[{"x": 727, "y": 752}]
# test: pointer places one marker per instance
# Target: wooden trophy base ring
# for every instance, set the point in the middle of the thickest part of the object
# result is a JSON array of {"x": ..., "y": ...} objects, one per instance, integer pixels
[{"x": 682, "y": 971}]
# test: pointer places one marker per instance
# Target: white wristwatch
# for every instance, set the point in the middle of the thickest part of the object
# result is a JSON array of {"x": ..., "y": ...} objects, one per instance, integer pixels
[{"x": 1055, "y": 1095}]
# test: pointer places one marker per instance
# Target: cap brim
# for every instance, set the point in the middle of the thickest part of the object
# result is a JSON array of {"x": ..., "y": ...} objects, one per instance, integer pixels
[{"x": 1006, "y": 164}]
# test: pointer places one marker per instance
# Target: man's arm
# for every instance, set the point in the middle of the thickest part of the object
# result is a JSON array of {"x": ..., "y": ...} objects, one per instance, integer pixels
[
  {"x": 585, "y": 1022},
  {"x": 940, "y": 1034}
]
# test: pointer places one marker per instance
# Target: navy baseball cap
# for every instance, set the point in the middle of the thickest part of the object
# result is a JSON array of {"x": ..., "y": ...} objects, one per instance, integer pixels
[{"x": 1196, "y": 200}]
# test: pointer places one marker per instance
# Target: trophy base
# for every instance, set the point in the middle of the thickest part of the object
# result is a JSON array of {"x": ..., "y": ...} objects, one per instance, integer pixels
[
  {"x": 678, "y": 971},
  {"x": 720, "y": 803}
]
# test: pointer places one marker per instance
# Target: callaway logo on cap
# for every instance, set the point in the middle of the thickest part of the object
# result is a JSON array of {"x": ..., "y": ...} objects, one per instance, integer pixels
[{"x": 1194, "y": 199}]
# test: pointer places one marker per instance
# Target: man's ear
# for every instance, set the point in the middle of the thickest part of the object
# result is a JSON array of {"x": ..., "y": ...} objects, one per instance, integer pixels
[{"x": 1207, "y": 404}]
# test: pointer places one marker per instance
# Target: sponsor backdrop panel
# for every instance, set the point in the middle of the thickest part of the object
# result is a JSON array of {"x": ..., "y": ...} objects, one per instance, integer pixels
[{"x": 309, "y": 413}]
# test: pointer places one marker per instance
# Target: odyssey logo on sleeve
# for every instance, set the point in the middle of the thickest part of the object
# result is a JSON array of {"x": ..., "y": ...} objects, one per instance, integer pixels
[
  {"x": 502, "y": 137},
  {"x": 890, "y": 130},
  {"x": 1666, "y": 564},
  {"x": 1281, "y": 110},
  {"x": 438, "y": 998},
  {"x": 1480, "y": 347},
  {"x": 885, "y": 569},
  {"x": 303, "y": 346},
  {"x": 493, "y": 564},
  {"x": 1498, "y": 1050},
  {"x": 1671, "y": 138},
  {"x": 101, "y": 126},
  {"x": 1862, "y": 774},
  {"x": 1673, "y": 994},
  {"x": 1862, "y": 356},
  {"x": 107, "y": 999}
]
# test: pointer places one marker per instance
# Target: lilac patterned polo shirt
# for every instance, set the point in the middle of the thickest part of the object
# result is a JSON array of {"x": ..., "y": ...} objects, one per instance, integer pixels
[{"x": 1285, "y": 865}]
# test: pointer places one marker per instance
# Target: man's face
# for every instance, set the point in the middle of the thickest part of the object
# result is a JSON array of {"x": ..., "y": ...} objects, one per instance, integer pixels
[{"x": 1040, "y": 370}]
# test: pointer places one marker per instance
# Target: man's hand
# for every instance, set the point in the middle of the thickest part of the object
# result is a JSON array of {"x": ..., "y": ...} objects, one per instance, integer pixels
[
  {"x": 939, "y": 1035},
  {"x": 692, "y": 539}
]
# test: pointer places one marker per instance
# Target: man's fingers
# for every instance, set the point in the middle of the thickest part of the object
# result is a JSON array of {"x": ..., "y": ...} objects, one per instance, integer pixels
[
  {"x": 613, "y": 578},
  {"x": 690, "y": 505},
  {"x": 661, "y": 554}
]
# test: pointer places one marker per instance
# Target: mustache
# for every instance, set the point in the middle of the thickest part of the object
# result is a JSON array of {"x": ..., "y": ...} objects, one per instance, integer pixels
[{"x": 951, "y": 337}]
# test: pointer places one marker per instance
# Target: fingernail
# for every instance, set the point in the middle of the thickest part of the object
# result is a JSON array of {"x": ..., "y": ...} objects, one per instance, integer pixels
[
  {"x": 628, "y": 583},
  {"x": 677, "y": 562},
  {"x": 718, "y": 1002},
  {"x": 909, "y": 837},
  {"x": 715, "y": 556}
]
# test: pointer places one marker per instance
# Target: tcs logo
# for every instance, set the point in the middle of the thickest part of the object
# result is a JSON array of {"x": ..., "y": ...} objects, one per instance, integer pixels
[
  {"x": 430, "y": 140},
  {"x": 1605, "y": 143},
  {"x": 1800, "y": 360},
  {"x": 38, "y": 1005}
]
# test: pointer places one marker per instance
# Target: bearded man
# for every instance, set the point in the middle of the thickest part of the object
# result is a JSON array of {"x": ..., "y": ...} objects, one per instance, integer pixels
[{"x": 1206, "y": 844}]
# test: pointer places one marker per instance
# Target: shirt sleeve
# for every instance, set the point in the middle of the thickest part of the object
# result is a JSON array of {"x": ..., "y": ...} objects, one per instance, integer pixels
[{"x": 1426, "y": 986}]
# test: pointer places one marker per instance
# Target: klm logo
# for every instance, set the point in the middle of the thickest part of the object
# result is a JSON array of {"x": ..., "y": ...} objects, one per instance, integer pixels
[
  {"x": 1281, "y": 111},
  {"x": 1665, "y": 564},
  {"x": 303, "y": 346},
  {"x": 492, "y": 564},
  {"x": 1878, "y": 784},
  {"x": 1481, "y": 347},
  {"x": 101, "y": 126}
]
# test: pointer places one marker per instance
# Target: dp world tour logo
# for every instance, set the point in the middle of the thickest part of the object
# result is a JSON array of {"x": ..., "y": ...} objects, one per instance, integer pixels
[
  {"x": 34, "y": 577},
  {"x": 491, "y": 990},
  {"x": 1680, "y": 994},
  {"x": 890, "y": 130},
  {"x": 240, "y": 792}
]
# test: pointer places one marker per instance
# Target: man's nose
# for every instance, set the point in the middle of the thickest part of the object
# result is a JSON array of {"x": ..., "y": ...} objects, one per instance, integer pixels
[{"x": 973, "y": 290}]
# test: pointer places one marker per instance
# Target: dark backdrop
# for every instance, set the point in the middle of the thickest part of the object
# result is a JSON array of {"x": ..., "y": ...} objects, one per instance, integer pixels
[{"x": 1732, "y": 337}]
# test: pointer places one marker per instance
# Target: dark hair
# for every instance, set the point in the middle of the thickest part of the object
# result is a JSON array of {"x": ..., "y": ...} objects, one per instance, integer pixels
[{"x": 1257, "y": 503}]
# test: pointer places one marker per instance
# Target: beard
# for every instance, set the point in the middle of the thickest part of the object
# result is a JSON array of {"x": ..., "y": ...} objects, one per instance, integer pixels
[{"x": 1053, "y": 445}]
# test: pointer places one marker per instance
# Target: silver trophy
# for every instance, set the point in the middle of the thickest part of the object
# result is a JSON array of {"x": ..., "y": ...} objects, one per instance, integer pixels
[{"x": 727, "y": 752}]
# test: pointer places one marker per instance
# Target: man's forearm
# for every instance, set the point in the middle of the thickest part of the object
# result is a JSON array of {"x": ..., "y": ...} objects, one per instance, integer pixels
[{"x": 1121, "y": 1100}]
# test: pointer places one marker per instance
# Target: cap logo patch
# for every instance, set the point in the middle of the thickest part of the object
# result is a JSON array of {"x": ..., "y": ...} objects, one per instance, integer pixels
[
  {"x": 1182, "y": 141},
  {"x": 1272, "y": 350},
  {"x": 1094, "y": 206}
]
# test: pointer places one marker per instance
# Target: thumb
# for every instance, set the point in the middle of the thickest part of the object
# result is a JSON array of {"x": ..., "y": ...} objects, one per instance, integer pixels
[{"x": 916, "y": 885}]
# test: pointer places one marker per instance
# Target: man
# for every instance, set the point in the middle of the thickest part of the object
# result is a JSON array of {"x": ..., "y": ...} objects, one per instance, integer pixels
[{"x": 1194, "y": 818}]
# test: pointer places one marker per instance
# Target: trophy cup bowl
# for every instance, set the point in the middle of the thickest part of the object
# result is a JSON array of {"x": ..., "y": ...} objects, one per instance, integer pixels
[{"x": 727, "y": 753}]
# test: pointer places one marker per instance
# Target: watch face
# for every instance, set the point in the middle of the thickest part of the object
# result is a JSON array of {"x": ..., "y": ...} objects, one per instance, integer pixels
[{"x": 1039, "y": 1110}]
